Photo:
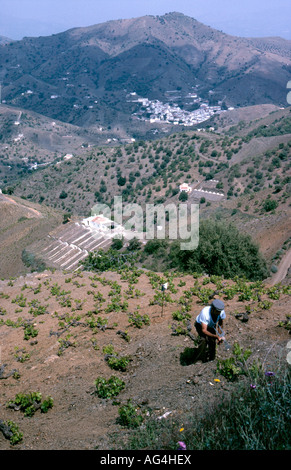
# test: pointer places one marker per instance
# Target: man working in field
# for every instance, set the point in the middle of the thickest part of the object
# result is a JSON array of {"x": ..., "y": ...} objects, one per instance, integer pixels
[{"x": 207, "y": 322}]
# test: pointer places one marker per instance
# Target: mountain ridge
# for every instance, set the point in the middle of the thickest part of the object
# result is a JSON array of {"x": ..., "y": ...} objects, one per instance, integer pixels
[{"x": 84, "y": 75}]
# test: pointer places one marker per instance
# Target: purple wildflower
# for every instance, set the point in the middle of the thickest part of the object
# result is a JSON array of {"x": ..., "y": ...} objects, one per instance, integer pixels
[
  {"x": 182, "y": 445},
  {"x": 269, "y": 373},
  {"x": 253, "y": 386}
]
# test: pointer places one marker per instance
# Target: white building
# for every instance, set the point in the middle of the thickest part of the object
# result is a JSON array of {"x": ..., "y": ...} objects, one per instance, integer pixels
[
  {"x": 185, "y": 187},
  {"x": 102, "y": 224}
]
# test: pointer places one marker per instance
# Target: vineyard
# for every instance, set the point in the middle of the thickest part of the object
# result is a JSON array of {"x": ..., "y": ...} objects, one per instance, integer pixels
[{"x": 87, "y": 358}]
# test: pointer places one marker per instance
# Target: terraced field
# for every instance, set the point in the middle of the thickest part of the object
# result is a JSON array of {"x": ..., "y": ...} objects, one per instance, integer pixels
[{"x": 67, "y": 246}]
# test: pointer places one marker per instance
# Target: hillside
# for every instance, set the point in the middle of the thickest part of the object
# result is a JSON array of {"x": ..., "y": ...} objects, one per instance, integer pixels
[
  {"x": 54, "y": 327},
  {"x": 240, "y": 173},
  {"x": 29, "y": 140},
  {"x": 88, "y": 76},
  {"x": 194, "y": 156},
  {"x": 21, "y": 223},
  {"x": 4, "y": 40}
]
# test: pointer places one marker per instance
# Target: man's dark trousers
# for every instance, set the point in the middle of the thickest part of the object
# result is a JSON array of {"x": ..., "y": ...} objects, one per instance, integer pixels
[{"x": 207, "y": 346}]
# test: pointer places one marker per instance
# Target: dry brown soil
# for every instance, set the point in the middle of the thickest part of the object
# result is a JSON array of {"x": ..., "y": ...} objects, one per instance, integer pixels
[{"x": 157, "y": 378}]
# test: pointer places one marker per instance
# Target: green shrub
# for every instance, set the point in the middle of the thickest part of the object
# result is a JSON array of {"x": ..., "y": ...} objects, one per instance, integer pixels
[
  {"x": 128, "y": 415},
  {"x": 234, "y": 366},
  {"x": 46, "y": 404},
  {"x": 270, "y": 205},
  {"x": 138, "y": 320},
  {"x": 265, "y": 304},
  {"x": 223, "y": 251},
  {"x": 65, "y": 343},
  {"x": 30, "y": 402},
  {"x": 117, "y": 243},
  {"x": 32, "y": 262},
  {"x": 19, "y": 300},
  {"x": 21, "y": 355},
  {"x": 180, "y": 315},
  {"x": 96, "y": 323},
  {"x": 36, "y": 308},
  {"x": 109, "y": 388},
  {"x": 119, "y": 363},
  {"x": 63, "y": 195},
  {"x": 183, "y": 196},
  {"x": 155, "y": 246},
  {"x": 112, "y": 259},
  {"x": 229, "y": 369},
  {"x": 30, "y": 332},
  {"x": 286, "y": 323},
  {"x": 11, "y": 431},
  {"x": 114, "y": 360}
]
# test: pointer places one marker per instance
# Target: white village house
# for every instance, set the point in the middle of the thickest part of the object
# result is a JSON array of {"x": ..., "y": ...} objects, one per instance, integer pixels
[
  {"x": 185, "y": 187},
  {"x": 102, "y": 224}
]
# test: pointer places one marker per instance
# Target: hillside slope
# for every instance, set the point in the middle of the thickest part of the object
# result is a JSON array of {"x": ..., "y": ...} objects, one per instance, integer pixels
[
  {"x": 241, "y": 174},
  {"x": 21, "y": 223},
  {"x": 74, "y": 317},
  {"x": 29, "y": 140}
]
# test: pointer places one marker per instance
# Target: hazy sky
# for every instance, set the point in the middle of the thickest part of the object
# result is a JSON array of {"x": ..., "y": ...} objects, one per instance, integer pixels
[{"x": 19, "y": 18}]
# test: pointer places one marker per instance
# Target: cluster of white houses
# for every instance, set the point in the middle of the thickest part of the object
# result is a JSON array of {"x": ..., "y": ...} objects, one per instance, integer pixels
[{"x": 157, "y": 111}]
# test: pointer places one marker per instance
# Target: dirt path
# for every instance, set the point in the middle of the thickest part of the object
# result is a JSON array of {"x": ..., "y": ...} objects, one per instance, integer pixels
[
  {"x": 35, "y": 212},
  {"x": 283, "y": 269}
]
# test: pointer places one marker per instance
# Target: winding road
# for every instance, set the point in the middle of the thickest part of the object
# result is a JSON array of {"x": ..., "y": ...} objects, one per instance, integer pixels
[{"x": 282, "y": 268}]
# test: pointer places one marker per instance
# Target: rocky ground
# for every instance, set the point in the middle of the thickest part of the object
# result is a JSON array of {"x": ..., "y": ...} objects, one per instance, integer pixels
[{"x": 66, "y": 357}]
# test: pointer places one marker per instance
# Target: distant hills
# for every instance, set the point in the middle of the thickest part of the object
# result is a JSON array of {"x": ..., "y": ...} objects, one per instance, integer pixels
[
  {"x": 5, "y": 40},
  {"x": 85, "y": 76}
]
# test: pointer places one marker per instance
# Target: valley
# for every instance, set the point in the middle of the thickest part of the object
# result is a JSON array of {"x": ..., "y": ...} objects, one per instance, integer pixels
[
  {"x": 162, "y": 112},
  {"x": 240, "y": 172}
]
